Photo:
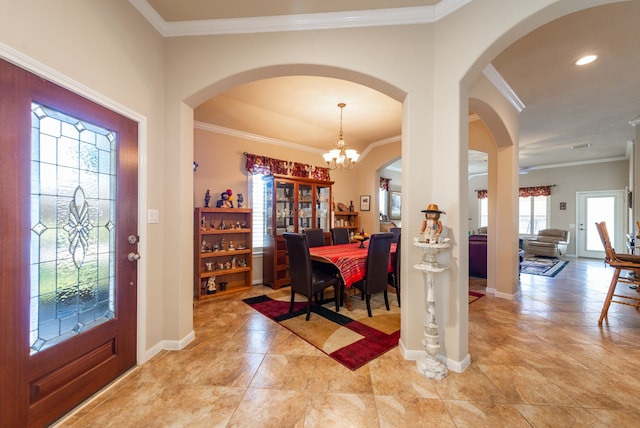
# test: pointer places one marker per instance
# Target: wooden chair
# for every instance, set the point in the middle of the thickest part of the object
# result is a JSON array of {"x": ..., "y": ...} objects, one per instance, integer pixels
[
  {"x": 394, "y": 277},
  {"x": 621, "y": 263},
  {"x": 377, "y": 269},
  {"x": 316, "y": 237},
  {"x": 340, "y": 235},
  {"x": 305, "y": 279}
]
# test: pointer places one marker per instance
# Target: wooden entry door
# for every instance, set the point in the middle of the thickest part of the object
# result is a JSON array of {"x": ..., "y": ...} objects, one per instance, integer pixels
[{"x": 68, "y": 221}]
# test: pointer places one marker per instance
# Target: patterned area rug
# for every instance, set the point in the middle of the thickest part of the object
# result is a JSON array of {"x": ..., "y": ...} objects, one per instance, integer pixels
[
  {"x": 542, "y": 266},
  {"x": 349, "y": 337}
]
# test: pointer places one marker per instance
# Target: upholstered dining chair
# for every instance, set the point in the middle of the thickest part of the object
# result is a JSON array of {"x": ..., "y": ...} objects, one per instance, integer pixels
[
  {"x": 340, "y": 235},
  {"x": 620, "y": 262},
  {"x": 316, "y": 237},
  {"x": 377, "y": 269},
  {"x": 394, "y": 277},
  {"x": 396, "y": 233},
  {"x": 305, "y": 279}
]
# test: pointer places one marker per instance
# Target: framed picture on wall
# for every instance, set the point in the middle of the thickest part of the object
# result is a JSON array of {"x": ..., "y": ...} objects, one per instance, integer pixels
[
  {"x": 395, "y": 204},
  {"x": 365, "y": 202}
]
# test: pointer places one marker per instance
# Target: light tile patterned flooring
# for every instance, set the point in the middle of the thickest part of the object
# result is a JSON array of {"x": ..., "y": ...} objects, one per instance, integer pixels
[{"x": 538, "y": 361}]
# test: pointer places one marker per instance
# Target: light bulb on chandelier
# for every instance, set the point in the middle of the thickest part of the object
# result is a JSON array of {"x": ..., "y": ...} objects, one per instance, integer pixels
[{"x": 341, "y": 156}]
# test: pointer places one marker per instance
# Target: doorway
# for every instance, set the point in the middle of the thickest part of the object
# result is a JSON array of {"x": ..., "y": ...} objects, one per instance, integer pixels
[{"x": 607, "y": 206}]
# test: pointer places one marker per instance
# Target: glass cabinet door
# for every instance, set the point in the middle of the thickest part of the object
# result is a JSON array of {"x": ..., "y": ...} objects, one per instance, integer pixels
[
  {"x": 305, "y": 207},
  {"x": 323, "y": 208},
  {"x": 285, "y": 207}
]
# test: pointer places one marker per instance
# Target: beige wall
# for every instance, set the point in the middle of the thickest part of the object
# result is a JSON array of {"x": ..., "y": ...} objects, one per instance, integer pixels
[{"x": 107, "y": 47}]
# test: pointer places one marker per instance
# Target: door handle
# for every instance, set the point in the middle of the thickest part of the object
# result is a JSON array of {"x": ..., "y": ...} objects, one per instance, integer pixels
[{"x": 133, "y": 257}]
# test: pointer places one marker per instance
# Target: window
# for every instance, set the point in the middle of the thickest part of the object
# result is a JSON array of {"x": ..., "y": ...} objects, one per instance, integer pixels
[
  {"x": 257, "y": 188},
  {"x": 382, "y": 200},
  {"x": 483, "y": 209},
  {"x": 533, "y": 214}
]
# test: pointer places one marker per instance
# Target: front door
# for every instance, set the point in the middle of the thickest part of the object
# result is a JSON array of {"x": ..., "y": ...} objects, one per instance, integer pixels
[{"x": 68, "y": 220}]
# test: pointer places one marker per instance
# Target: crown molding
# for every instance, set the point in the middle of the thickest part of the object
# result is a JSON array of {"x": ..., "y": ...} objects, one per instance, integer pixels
[
  {"x": 503, "y": 87},
  {"x": 299, "y": 22},
  {"x": 282, "y": 143}
]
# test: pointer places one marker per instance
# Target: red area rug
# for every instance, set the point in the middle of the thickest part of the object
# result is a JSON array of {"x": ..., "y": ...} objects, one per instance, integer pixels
[{"x": 349, "y": 337}]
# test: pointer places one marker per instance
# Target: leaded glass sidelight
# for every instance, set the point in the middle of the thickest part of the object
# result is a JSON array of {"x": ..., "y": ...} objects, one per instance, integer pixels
[{"x": 73, "y": 203}]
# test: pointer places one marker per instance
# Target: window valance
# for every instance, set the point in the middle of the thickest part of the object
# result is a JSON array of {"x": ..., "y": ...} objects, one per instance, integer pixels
[
  {"x": 257, "y": 164},
  {"x": 384, "y": 183},
  {"x": 524, "y": 192}
]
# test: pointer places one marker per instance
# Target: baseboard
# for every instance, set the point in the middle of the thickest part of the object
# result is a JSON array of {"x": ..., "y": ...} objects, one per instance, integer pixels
[
  {"x": 168, "y": 345},
  {"x": 453, "y": 365}
]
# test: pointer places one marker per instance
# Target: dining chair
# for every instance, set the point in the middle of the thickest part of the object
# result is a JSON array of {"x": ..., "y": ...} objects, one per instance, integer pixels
[
  {"x": 394, "y": 277},
  {"x": 340, "y": 235},
  {"x": 377, "y": 269},
  {"x": 305, "y": 279},
  {"x": 396, "y": 233},
  {"x": 620, "y": 262},
  {"x": 316, "y": 237}
]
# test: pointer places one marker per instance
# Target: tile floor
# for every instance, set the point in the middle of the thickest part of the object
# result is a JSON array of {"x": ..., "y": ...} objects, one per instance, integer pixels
[{"x": 538, "y": 361}]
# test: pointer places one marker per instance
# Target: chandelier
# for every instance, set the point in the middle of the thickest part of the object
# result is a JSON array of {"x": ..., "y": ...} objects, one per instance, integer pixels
[{"x": 341, "y": 156}]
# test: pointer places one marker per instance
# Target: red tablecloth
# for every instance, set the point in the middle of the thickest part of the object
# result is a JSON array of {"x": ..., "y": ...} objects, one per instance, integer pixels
[{"x": 348, "y": 258}]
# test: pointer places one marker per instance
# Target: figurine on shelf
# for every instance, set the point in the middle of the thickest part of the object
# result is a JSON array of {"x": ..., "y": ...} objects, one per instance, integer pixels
[
  {"x": 225, "y": 199},
  {"x": 227, "y": 265},
  {"x": 431, "y": 225},
  {"x": 220, "y": 266},
  {"x": 203, "y": 247},
  {"x": 222, "y": 244},
  {"x": 240, "y": 200},
  {"x": 351, "y": 209},
  {"x": 234, "y": 262},
  {"x": 215, "y": 247},
  {"x": 231, "y": 246},
  {"x": 223, "y": 225},
  {"x": 203, "y": 223},
  {"x": 209, "y": 266},
  {"x": 207, "y": 198},
  {"x": 213, "y": 224},
  {"x": 211, "y": 285}
]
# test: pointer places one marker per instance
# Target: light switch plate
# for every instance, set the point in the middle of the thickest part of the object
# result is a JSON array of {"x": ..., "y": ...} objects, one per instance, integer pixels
[{"x": 153, "y": 216}]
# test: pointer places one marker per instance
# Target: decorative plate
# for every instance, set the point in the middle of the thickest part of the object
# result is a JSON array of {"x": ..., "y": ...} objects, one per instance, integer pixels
[{"x": 342, "y": 207}]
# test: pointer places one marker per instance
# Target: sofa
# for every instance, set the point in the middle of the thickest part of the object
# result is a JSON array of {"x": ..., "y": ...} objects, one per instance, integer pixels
[
  {"x": 548, "y": 243},
  {"x": 478, "y": 256}
]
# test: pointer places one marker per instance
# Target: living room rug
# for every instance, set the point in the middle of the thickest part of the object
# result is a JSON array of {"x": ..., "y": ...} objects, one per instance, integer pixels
[
  {"x": 543, "y": 266},
  {"x": 349, "y": 337}
]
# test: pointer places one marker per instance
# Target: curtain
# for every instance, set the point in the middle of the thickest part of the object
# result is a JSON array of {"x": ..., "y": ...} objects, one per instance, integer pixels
[
  {"x": 384, "y": 183},
  {"x": 524, "y": 192},
  {"x": 257, "y": 164}
]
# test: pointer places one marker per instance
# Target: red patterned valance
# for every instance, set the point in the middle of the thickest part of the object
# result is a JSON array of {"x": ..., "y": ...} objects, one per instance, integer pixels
[
  {"x": 524, "y": 192},
  {"x": 268, "y": 166},
  {"x": 384, "y": 183}
]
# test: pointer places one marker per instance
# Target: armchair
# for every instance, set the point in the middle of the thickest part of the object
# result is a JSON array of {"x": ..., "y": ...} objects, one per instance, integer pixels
[{"x": 549, "y": 242}]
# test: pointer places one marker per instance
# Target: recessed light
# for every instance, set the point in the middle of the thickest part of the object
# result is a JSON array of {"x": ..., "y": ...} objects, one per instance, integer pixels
[{"x": 586, "y": 59}]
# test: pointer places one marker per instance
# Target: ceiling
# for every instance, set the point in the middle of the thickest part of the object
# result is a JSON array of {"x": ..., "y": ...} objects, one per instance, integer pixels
[{"x": 565, "y": 105}]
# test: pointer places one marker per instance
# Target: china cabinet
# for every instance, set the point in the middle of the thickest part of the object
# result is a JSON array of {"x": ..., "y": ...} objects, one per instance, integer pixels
[
  {"x": 222, "y": 251},
  {"x": 291, "y": 205}
]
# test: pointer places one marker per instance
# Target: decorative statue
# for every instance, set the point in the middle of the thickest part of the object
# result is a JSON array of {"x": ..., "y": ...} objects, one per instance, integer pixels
[
  {"x": 207, "y": 198},
  {"x": 240, "y": 200},
  {"x": 431, "y": 225},
  {"x": 225, "y": 199},
  {"x": 203, "y": 223},
  {"x": 211, "y": 285}
]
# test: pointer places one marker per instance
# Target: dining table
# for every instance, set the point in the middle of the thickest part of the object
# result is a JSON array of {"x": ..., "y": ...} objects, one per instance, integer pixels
[{"x": 350, "y": 259}]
